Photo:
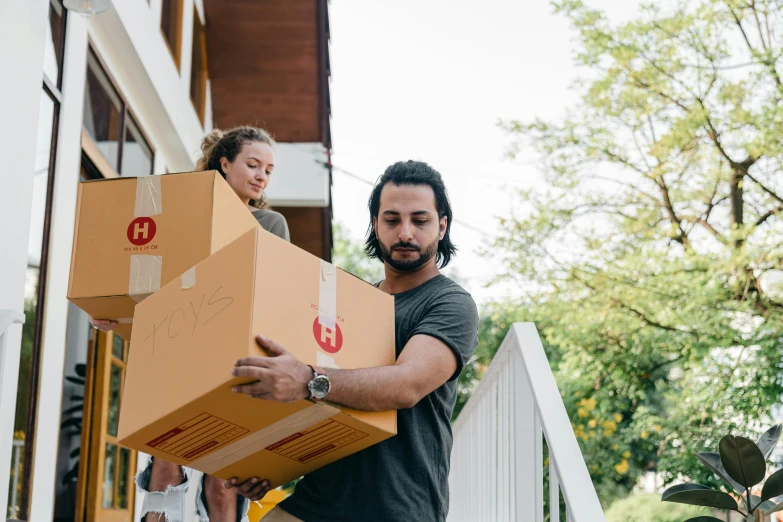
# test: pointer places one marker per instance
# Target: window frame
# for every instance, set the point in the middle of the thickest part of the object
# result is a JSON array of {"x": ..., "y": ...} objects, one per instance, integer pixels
[
  {"x": 103, "y": 160},
  {"x": 200, "y": 105},
  {"x": 52, "y": 90},
  {"x": 57, "y": 5},
  {"x": 175, "y": 47},
  {"x": 89, "y": 146}
]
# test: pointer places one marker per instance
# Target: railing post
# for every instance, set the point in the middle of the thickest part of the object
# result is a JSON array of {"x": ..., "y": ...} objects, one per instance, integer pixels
[
  {"x": 505, "y": 486},
  {"x": 493, "y": 452},
  {"x": 9, "y": 376},
  {"x": 528, "y": 460},
  {"x": 554, "y": 491},
  {"x": 18, "y": 445}
]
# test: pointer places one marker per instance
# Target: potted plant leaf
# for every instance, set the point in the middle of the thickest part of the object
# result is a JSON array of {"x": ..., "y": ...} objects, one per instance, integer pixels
[
  {"x": 74, "y": 423},
  {"x": 743, "y": 465}
]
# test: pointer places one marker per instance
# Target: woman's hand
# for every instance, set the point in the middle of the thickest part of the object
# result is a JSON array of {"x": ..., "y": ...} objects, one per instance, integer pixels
[
  {"x": 252, "y": 489},
  {"x": 104, "y": 325}
]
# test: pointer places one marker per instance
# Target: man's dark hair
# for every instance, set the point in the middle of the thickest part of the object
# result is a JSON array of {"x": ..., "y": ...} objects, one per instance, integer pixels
[{"x": 412, "y": 173}]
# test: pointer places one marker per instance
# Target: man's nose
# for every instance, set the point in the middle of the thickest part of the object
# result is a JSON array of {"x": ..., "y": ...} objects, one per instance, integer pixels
[{"x": 406, "y": 231}]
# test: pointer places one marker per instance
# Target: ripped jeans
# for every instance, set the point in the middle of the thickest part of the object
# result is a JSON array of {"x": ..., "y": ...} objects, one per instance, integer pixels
[{"x": 182, "y": 503}]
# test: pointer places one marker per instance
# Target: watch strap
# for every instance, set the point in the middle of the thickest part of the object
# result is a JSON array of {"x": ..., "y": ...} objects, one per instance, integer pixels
[{"x": 310, "y": 384}]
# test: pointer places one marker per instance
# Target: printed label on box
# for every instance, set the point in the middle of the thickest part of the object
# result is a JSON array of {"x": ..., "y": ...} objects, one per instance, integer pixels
[
  {"x": 317, "y": 441},
  {"x": 197, "y": 437}
]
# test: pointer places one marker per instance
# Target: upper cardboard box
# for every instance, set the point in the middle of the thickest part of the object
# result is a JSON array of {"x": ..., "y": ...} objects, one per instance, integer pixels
[{"x": 134, "y": 235}]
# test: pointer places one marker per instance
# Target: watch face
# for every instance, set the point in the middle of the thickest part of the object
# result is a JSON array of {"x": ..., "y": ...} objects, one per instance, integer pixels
[{"x": 320, "y": 386}]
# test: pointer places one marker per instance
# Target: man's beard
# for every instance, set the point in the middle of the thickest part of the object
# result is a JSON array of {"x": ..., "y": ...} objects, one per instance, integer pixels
[{"x": 408, "y": 265}]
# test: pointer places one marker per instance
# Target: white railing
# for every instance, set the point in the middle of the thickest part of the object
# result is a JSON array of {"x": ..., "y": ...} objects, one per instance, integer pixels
[
  {"x": 497, "y": 463},
  {"x": 18, "y": 449},
  {"x": 9, "y": 374}
]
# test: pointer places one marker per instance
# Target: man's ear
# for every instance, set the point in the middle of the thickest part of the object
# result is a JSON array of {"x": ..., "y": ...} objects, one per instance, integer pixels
[
  {"x": 375, "y": 225},
  {"x": 442, "y": 225}
]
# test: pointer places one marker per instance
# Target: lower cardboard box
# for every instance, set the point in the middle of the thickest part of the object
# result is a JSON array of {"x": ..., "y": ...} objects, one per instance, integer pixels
[{"x": 177, "y": 401}]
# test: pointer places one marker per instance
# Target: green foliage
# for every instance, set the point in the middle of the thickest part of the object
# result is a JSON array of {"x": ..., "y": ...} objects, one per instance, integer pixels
[
  {"x": 23, "y": 393},
  {"x": 349, "y": 255},
  {"x": 645, "y": 256},
  {"x": 648, "y": 508},
  {"x": 25, "y": 366}
]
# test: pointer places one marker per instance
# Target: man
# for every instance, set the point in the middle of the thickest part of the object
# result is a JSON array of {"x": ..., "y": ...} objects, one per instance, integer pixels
[{"x": 405, "y": 477}]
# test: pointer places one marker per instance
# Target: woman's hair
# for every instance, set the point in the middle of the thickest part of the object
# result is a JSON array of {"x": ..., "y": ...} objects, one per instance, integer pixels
[{"x": 227, "y": 144}]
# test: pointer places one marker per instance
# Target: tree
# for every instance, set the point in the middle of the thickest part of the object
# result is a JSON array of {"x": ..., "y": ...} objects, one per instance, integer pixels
[
  {"x": 349, "y": 255},
  {"x": 647, "y": 256}
]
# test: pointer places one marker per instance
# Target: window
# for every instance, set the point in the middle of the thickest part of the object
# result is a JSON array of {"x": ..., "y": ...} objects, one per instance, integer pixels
[
  {"x": 55, "y": 43},
  {"x": 171, "y": 25},
  {"x": 111, "y": 134},
  {"x": 198, "y": 68},
  {"x": 136, "y": 154},
  {"x": 103, "y": 112},
  {"x": 35, "y": 282}
]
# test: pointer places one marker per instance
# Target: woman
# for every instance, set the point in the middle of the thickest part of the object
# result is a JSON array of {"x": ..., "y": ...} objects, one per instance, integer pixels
[{"x": 245, "y": 157}]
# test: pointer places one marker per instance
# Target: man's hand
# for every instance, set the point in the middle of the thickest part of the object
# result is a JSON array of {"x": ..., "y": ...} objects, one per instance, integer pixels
[
  {"x": 280, "y": 376},
  {"x": 252, "y": 489}
]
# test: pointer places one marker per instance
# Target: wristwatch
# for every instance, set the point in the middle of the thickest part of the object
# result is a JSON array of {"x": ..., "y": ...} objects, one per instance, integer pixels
[{"x": 319, "y": 387}]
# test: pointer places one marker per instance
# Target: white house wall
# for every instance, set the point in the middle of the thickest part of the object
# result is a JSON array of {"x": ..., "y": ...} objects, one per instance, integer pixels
[
  {"x": 68, "y": 159},
  {"x": 300, "y": 178}
]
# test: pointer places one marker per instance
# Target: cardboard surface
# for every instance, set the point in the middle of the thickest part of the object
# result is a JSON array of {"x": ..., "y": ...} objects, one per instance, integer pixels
[
  {"x": 134, "y": 235},
  {"x": 177, "y": 402}
]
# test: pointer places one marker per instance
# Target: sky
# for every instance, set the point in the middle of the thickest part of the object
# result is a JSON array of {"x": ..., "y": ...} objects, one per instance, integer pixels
[{"x": 430, "y": 80}]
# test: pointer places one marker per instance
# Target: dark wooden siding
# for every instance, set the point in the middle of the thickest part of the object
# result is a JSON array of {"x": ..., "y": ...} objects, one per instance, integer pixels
[
  {"x": 311, "y": 229},
  {"x": 268, "y": 64}
]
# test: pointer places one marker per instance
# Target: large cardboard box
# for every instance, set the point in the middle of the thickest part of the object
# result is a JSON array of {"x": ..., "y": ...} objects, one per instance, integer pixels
[
  {"x": 133, "y": 235},
  {"x": 177, "y": 402}
]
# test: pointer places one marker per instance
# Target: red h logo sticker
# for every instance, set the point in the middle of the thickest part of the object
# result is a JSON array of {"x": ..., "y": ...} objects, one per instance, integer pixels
[
  {"x": 329, "y": 339},
  {"x": 141, "y": 231}
]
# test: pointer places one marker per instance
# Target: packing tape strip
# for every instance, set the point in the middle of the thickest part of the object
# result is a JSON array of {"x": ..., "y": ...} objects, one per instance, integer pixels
[
  {"x": 327, "y": 295},
  {"x": 259, "y": 440},
  {"x": 148, "y": 197},
  {"x": 144, "y": 276},
  {"x": 325, "y": 361},
  {"x": 189, "y": 278}
]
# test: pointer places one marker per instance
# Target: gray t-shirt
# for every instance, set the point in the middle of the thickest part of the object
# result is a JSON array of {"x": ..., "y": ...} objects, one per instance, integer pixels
[
  {"x": 273, "y": 222},
  {"x": 405, "y": 477}
]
